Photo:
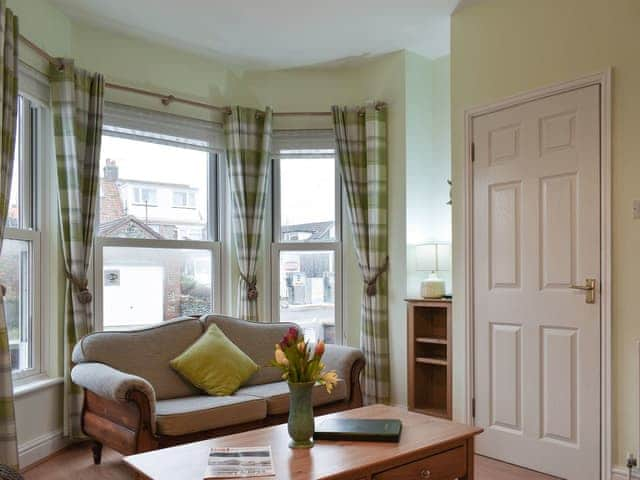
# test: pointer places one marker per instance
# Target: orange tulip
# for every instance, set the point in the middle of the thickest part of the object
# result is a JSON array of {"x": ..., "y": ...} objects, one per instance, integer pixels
[{"x": 281, "y": 358}]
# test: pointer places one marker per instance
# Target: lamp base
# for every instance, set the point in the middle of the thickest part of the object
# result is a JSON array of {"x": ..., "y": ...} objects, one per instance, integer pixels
[{"x": 432, "y": 287}]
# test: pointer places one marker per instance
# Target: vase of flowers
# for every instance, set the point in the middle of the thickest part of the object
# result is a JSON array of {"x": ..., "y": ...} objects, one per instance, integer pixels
[{"x": 302, "y": 368}]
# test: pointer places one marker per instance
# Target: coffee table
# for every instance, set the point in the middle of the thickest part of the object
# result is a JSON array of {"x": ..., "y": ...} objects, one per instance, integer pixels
[{"x": 429, "y": 448}]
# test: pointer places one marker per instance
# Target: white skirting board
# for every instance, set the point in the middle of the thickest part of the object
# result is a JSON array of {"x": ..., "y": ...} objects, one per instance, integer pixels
[
  {"x": 620, "y": 472},
  {"x": 41, "y": 447}
]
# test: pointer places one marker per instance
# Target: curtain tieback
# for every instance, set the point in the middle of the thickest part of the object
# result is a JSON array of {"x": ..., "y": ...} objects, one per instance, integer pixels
[
  {"x": 372, "y": 289},
  {"x": 3, "y": 291},
  {"x": 82, "y": 284},
  {"x": 252, "y": 289}
]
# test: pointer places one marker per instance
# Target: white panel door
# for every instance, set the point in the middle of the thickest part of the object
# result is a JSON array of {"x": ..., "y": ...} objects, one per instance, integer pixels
[{"x": 536, "y": 234}]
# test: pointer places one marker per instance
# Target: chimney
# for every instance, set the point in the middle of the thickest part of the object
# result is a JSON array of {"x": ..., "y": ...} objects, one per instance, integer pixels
[{"x": 111, "y": 170}]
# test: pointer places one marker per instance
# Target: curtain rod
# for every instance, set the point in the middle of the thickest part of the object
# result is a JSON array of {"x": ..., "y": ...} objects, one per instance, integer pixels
[{"x": 167, "y": 100}]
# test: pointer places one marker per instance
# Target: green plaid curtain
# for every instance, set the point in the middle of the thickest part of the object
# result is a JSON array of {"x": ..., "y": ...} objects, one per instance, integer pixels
[
  {"x": 78, "y": 99},
  {"x": 248, "y": 136},
  {"x": 361, "y": 138},
  {"x": 8, "y": 117}
]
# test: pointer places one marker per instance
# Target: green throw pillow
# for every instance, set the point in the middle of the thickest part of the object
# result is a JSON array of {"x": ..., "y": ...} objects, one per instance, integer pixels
[{"x": 215, "y": 364}]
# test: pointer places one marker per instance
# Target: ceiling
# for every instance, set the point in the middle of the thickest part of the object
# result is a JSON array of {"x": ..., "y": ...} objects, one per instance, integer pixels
[{"x": 260, "y": 34}]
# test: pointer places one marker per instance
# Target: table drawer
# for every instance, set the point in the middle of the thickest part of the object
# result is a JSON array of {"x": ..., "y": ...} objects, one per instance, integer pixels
[{"x": 447, "y": 465}]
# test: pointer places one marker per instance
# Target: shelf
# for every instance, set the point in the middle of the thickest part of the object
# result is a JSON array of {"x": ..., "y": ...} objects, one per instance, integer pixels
[
  {"x": 437, "y": 341},
  {"x": 432, "y": 361},
  {"x": 429, "y": 359}
]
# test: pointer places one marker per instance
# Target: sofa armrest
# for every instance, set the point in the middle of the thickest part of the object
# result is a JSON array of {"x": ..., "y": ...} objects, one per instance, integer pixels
[
  {"x": 348, "y": 362},
  {"x": 113, "y": 384}
]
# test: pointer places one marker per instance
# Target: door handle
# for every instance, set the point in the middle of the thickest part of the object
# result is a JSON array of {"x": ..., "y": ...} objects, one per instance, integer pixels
[{"x": 589, "y": 288}]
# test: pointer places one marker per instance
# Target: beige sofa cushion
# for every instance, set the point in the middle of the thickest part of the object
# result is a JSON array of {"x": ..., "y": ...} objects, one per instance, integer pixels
[
  {"x": 277, "y": 395},
  {"x": 145, "y": 353},
  {"x": 180, "y": 416},
  {"x": 258, "y": 340}
]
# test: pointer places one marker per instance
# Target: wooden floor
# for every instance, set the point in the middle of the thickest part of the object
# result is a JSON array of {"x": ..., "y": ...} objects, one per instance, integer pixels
[
  {"x": 488, "y": 469},
  {"x": 76, "y": 463}
]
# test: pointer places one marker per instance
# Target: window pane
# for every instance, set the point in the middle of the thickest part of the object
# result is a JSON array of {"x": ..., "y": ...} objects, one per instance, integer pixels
[
  {"x": 307, "y": 292},
  {"x": 307, "y": 199},
  {"x": 138, "y": 182},
  {"x": 15, "y": 275},
  {"x": 143, "y": 286},
  {"x": 13, "y": 219}
]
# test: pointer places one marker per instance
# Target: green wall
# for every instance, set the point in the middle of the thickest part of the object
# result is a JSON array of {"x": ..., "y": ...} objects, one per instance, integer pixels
[
  {"x": 428, "y": 160},
  {"x": 44, "y": 25},
  {"x": 503, "y": 47}
]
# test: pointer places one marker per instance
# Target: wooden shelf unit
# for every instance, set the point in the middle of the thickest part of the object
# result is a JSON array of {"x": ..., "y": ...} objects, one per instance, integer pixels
[{"x": 429, "y": 356}]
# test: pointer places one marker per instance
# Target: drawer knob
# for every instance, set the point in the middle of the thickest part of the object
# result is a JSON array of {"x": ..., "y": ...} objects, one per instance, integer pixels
[{"x": 425, "y": 473}]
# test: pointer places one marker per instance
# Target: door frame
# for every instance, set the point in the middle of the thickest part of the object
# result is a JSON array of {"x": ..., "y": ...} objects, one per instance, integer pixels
[{"x": 603, "y": 79}]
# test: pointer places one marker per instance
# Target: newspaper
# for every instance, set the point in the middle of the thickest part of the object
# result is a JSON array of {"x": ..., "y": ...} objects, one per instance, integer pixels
[{"x": 240, "y": 463}]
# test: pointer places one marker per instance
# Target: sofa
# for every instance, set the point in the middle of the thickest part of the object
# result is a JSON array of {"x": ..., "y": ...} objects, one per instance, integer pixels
[{"x": 135, "y": 402}]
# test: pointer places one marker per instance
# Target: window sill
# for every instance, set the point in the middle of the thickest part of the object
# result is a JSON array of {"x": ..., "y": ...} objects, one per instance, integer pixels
[{"x": 39, "y": 382}]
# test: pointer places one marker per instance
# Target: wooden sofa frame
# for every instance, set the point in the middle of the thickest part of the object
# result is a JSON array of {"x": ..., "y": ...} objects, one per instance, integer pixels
[{"x": 126, "y": 426}]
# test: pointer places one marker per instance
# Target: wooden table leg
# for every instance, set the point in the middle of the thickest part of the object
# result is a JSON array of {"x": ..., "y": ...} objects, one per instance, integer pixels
[{"x": 470, "y": 459}]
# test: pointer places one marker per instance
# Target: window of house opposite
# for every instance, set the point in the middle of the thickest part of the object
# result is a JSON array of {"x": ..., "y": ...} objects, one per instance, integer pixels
[
  {"x": 184, "y": 199},
  {"x": 144, "y": 196}
]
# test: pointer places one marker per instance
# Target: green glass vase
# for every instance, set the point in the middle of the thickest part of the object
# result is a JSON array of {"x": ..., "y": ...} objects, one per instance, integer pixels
[{"x": 300, "y": 423}]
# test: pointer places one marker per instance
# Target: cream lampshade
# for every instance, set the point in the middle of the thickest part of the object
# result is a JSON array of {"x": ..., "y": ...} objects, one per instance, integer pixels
[{"x": 433, "y": 257}]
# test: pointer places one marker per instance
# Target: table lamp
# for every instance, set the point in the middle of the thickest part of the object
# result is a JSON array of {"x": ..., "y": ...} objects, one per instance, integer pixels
[{"x": 433, "y": 257}]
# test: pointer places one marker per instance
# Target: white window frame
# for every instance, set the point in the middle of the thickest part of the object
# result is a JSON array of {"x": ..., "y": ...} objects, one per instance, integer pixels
[
  {"x": 305, "y": 140},
  {"x": 188, "y": 195},
  {"x": 134, "y": 123},
  {"x": 33, "y": 145},
  {"x": 137, "y": 195}
]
